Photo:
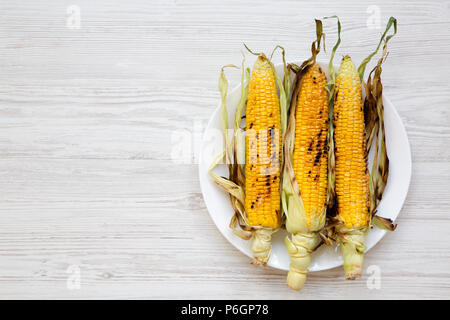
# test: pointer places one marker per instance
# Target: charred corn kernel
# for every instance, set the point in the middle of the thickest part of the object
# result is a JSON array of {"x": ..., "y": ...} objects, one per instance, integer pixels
[
  {"x": 310, "y": 147},
  {"x": 263, "y": 143},
  {"x": 352, "y": 177}
]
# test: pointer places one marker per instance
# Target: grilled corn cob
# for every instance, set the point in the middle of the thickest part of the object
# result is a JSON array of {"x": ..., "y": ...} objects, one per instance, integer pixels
[
  {"x": 310, "y": 168},
  {"x": 352, "y": 177},
  {"x": 310, "y": 149},
  {"x": 262, "y": 169}
]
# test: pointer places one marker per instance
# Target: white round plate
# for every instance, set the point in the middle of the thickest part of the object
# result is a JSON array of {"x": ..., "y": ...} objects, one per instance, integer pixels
[{"x": 218, "y": 202}]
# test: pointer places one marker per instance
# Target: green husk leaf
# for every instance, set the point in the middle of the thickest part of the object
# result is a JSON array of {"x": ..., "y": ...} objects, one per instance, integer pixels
[
  {"x": 237, "y": 172},
  {"x": 331, "y": 70},
  {"x": 362, "y": 67},
  {"x": 285, "y": 89},
  {"x": 223, "y": 88},
  {"x": 254, "y": 53}
]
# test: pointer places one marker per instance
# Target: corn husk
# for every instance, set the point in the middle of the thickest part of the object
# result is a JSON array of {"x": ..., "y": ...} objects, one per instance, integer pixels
[
  {"x": 376, "y": 137},
  {"x": 375, "y": 130}
]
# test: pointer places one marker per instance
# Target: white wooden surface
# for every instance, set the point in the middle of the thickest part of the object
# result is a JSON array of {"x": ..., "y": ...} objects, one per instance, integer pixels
[{"x": 86, "y": 121}]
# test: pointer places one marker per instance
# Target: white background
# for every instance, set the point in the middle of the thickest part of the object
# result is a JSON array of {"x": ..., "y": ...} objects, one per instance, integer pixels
[{"x": 87, "y": 118}]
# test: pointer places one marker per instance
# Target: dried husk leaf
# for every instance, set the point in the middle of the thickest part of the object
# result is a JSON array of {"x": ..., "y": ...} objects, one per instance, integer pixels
[
  {"x": 392, "y": 22},
  {"x": 375, "y": 129},
  {"x": 234, "y": 185},
  {"x": 285, "y": 92},
  {"x": 232, "y": 188},
  {"x": 384, "y": 223}
]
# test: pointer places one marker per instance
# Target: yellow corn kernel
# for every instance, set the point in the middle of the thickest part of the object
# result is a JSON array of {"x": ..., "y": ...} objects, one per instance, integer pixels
[
  {"x": 263, "y": 143},
  {"x": 352, "y": 178},
  {"x": 310, "y": 157}
]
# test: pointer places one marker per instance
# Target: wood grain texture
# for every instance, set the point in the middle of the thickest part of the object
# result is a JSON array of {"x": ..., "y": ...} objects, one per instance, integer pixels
[{"x": 87, "y": 118}]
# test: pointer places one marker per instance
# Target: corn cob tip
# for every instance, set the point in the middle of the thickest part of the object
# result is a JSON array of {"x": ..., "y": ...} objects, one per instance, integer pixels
[
  {"x": 353, "y": 269},
  {"x": 353, "y": 253},
  {"x": 295, "y": 280},
  {"x": 299, "y": 247},
  {"x": 353, "y": 274},
  {"x": 262, "y": 246}
]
